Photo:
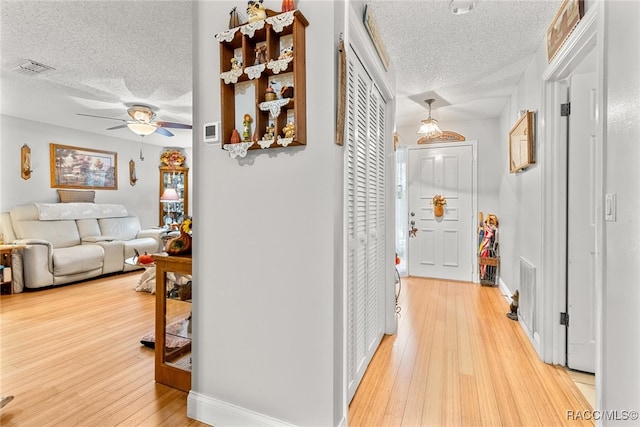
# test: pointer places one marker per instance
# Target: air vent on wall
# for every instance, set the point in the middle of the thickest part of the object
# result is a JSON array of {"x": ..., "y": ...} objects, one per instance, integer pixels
[{"x": 31, "y": 68}]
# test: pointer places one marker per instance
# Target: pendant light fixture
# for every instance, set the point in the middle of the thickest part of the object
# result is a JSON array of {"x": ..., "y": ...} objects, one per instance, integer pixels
[{"x": 429, "y": 128}]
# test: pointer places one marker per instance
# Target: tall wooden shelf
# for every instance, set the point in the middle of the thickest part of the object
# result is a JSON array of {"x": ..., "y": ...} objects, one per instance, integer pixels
[{"x": 241, "y": 43}]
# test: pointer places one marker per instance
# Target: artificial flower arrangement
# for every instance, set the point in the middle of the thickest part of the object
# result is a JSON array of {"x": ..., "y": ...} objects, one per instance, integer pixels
[
  {"x": 438, "y": 203},
  {"x": 172, "y": 158},
  {"x": 438, "y": 200}
]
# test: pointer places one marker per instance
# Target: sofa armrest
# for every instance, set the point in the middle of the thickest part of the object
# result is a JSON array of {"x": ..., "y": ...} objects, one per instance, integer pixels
[
  {"x": 40, "y": 248},
  {"x": 156, "y": 233}
]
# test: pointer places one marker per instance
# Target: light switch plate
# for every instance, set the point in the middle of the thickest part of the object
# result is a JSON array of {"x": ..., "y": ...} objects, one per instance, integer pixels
[{"x": 610, "y": 207}]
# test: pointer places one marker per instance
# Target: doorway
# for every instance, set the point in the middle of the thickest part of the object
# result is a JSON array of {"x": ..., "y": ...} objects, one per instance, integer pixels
[{"x": 442, "y": 246}]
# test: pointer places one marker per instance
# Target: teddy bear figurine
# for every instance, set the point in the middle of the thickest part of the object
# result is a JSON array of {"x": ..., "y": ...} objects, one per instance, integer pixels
[{"x": 289, "y": 130}]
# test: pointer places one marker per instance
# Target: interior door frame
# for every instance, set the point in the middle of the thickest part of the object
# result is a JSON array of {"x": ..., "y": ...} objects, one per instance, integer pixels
[
  {"x": 474, "y": 191},
  {"x": 588, "y": 35}
]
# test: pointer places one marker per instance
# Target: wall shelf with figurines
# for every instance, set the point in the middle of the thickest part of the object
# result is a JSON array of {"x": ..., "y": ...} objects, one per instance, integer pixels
[{"x": 263, "y": 82}]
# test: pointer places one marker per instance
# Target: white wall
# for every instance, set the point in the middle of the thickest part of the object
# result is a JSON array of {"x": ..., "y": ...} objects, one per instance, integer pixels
[
  {"x": 621, "y": 327},
  {"x": 520, "y": 194},
  {"x": 267, "y": 301},
  {"x": 140, "y": 200}
]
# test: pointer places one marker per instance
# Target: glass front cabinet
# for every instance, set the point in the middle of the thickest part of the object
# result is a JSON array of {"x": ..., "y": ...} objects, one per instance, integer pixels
[{"x": 174, "y": 190}]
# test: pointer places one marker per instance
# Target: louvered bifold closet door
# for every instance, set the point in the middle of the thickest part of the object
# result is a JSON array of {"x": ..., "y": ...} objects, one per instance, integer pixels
[{"x": 365, "y": 238}]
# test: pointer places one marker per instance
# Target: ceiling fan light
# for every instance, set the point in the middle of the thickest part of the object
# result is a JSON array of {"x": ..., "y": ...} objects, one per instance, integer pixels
[{"x": 142, "y": 129}]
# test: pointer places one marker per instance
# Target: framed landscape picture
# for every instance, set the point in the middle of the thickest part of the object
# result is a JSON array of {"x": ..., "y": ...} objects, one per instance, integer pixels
[
  {"x": 521, "y": 143},
  {"x": 75, "y": 167}
]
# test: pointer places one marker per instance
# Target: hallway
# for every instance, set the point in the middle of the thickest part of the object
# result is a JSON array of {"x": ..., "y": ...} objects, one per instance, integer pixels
[{"x": 457, "y": 360}]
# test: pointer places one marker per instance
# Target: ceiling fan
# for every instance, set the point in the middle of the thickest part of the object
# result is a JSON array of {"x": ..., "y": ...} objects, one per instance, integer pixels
[{"x": 143, "y": 122}]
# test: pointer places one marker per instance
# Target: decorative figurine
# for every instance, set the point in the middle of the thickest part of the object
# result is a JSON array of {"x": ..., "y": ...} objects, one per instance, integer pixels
[
  {"x": 261, "y": 54},
  {"x": 234, "y": 18},
  {"x": 286, "y": 92},
  {"x": 235, "y": 64},
  {"x": 289, "y": 130},
  {"x": 268, "y": 134},
  {"x": 288, "y": 5},
  {"x": 256, "y": 11},
  {"x": 286, "y": 52},
  {"x": 515, "y": 299},
  {"x": 270, "y": 94},
  {"x": 181, "y": 245},
  {"x": 235, "y": 137},
  {"x": 246, "y": 123}
]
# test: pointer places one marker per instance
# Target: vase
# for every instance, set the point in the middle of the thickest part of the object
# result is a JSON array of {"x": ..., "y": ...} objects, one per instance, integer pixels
[{"x": 438, "y": 211}]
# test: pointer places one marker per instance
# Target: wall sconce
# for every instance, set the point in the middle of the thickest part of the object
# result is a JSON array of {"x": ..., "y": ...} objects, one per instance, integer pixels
[
  {"x": 25, "y": 162},
  {"x": 132, "y": 173}
]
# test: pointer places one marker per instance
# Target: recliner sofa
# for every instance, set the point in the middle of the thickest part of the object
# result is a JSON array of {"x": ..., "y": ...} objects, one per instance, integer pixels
[{"x": 69, "y": 242}]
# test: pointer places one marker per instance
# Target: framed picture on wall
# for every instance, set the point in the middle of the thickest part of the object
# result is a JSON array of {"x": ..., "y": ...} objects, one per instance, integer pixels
[
  {"x": 521, "y": 152},
  {"x": 566, "y": 19},
  {"x": 75, "y": 167}
]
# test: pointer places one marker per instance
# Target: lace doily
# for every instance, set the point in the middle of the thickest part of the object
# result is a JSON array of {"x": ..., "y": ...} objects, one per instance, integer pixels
[
  {"x": 231, "y": 76},
  {"x": 227, "y": 35},
  {"x": 254, "y": 71},
  {"x": 238, "y": 150},
  {"x": 274, "y": 107},
  {"x": 279, "y": 64},
  {"x": 280, "y": 21},
  {"x": 285, "y": 141},
  {"x": 265, "y": 143},
  {"x": 250, "y": 29}
]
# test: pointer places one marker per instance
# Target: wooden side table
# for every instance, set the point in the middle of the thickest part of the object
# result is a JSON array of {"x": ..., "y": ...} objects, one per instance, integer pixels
[
  {"x": 173, "y": 321},
  {"x": 6, "y": 287}
]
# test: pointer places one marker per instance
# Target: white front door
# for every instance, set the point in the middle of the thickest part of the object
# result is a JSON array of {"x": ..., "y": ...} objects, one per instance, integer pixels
[
  {"x": 441, "y": 247},
  {"x": 581, "y": 243}
]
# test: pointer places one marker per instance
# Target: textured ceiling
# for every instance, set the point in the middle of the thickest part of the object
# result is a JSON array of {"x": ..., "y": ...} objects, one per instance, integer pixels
[
  {"x": 106, "y": 54},
  {"x": 469, "y": 63},
  {"x": 109, "y": 54}
]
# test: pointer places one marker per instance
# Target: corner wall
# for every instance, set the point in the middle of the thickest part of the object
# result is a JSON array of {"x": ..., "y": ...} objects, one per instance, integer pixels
[{"x": 268, "y": 302}]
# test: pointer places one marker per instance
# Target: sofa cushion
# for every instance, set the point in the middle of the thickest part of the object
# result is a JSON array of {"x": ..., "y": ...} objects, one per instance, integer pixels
[
  {"x": 88, "y": 227},
  {"x": 77, "y": 259},
  {"x": 62, "y": 234},
  {"x": 121, "y": 228},
  {"x": 77, "y": 196}
]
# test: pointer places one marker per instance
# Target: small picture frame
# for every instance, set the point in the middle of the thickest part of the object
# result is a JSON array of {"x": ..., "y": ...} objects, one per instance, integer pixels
[
  {"x": 211, "y": 133},
  {"x": 521, "y": 149}
]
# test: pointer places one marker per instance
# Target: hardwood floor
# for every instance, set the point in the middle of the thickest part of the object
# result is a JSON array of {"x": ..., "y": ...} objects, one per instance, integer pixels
[
  {"x": 72, "y": 356},
  {"x": 457, "y": 360}
]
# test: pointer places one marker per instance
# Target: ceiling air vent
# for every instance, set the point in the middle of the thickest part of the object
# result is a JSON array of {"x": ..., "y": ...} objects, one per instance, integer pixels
[{"x": 31, "y": 68}]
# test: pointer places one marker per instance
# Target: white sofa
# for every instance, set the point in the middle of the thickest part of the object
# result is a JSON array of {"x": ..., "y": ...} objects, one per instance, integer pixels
[{"x": 69, "y": 242}]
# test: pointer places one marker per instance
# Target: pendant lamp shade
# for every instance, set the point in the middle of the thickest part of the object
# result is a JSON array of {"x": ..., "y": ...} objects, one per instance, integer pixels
[{"x": 430, "y": 128}]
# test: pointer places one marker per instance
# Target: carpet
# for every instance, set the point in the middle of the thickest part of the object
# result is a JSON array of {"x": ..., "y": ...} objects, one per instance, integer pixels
[{"x": 172, "y": 340}]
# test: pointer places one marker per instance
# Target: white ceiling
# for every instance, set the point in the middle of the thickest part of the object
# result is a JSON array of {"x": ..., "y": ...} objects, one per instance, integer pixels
[{"x": 109, "y": 54}]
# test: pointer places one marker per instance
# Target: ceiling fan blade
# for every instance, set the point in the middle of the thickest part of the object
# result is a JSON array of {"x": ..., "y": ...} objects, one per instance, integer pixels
[
  {"x": 163, "y": 131},
  {"x": 101, "y": 117},
  {"x": 117, "y": 127},
  {"x": 173, "y": 125}
]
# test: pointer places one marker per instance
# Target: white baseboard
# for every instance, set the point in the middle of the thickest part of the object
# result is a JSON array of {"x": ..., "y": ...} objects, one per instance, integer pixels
[
  {"x": 223, "y": 414},
  {"x": 504, "y": 289}
]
